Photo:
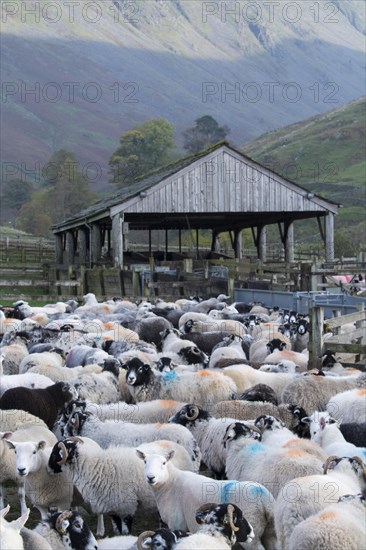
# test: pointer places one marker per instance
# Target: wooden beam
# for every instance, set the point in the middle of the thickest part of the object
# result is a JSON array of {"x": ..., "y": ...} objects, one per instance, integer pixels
[
  {"x": 316, "y": 336},
  {"x": 117, "y": 239},
  {"x": 329, "y": 238}
]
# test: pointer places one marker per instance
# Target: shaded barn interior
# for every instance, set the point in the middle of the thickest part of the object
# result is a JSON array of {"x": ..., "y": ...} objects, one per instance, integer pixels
[{"x": 218, "y": 189}]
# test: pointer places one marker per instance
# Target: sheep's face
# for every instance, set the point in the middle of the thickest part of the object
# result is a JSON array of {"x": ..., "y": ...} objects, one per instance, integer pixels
[
  {"x": 193, "y": 355},
  {"x": 138, "y": 373},
  {"x": 62, "y": 453},
  {"x": 156, "y": 467},
  {"x": 239, "y": 431},
  {"x": 269, "y": 423},
  {"x": 28, "y": 456},
  {"x": 228, "y": 519},
  {"x": 189, "y": 415},
  {"x": 73, "y": 530}
]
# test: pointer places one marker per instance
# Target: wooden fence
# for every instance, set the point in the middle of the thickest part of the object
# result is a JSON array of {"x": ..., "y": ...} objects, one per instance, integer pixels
[{"x": 350, "y": 342}]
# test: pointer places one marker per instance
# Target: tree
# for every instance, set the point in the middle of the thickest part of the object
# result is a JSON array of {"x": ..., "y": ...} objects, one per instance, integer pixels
[
  {"x": 206, "y": 132},
  {"x": 15, "y": 193},
  {"x": 141, "y": 150},
  {"x": 64, "y": 193}
]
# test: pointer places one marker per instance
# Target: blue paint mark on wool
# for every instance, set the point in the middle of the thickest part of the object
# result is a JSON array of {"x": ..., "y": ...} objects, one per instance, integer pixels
[
  {"x": 254, "y": 449},
  {"x": 228, "y": 491},
  {"x": 170, "y": 376}
]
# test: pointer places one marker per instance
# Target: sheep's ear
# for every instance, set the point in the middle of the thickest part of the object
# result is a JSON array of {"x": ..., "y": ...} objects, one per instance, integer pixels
[
  {"x": 5, "y": 435},
  {"x": 170, "y": 455},
  {"x": 4, "y": 511},
  {"x": 10, "y": 444},
  {"x": 41, "y": 445},
  {"x": 141, "y": 454},
  {"x": 19, "y": 523}
]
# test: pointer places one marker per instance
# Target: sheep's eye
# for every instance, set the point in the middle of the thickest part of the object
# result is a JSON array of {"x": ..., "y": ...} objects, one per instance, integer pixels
[
  {"x": 140, "y": 369},
  {"x": 34, "y": 452},
  {"x": 77, "y": 524}
]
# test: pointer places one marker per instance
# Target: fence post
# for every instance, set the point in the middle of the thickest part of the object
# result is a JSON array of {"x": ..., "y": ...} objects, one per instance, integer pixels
[
  {"x": 360, "y": 324},
  {"x": 316, "y": 336}
]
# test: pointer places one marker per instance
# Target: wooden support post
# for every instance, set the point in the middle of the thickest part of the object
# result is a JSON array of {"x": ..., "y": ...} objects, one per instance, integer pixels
[
  {"x": 197, "y": 245},
  {"x": 215, "y": 243},
  {"x": 59, "y": 248},
  {"x": 149, "y": 243},
  {"x": 289, "y": 242},
  {"x": 237, "y": 244},
  {"x": 117, "y": 239},
  {"x": 316, "y": 336},
  {"x": 70, "y": 248},
  {"x": 180, "y": 240},
  {"x": 262, "y": 243},
  {"x": 360, "y": 324},
  {"x": 136, "y": 283},
  {"x": 96, "y": 243},
  {"x": 166, "y": 245},
  {"x": 329, "y": 238},
  {"x": 83, "y": 246}
]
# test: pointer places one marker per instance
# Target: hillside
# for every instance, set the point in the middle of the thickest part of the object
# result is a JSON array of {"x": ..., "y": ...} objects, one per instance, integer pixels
[
  {"x": 78, "y": 77},
  {"x": 326, "y": 154}
]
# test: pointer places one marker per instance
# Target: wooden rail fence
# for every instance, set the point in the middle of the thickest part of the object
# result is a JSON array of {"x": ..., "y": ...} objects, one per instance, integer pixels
[{"x": 350, "y": 342}]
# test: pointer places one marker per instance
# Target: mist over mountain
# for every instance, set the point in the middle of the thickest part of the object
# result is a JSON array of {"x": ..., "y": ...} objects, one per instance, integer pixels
[{"x": 76, "y": 75}]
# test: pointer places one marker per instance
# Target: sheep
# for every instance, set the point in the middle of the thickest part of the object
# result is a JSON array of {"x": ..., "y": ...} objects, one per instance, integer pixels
[
  {"x": 282, "y": 366},
  {"x": 26, "y": 380},
  {"x": 14, "y": 350},
  {"x": 304, "y": 496},
  {"x": 220, "y": 526},
  {"x": 46, "y": 403},
  {"x": 190, "y": 316},
  {"x": 150, "y": 329},
  {"x": 30, "y": 432},
  {"x": 64, "y": 374},
  {"x": 102, "y": 388},
  {"x": 348, "y": 406},
  {"x": 205, "y": 341},
  {"x": 226, "y": 326},
  {"x": 61, "y": 530},
  {"x": 233, "y": 350},
  {"x": 290, "y": 415},
  {"x": 44, "y": 491},
  {"x": 249, "y": 460},
  {"x": 245, "y": 377},
  {"x": 10, "y": 531},
  {"x": 82, "y": 355},
  {"x": 91, "y": 468},
  {"x": 13, "y": 419},
  {"x": 201, "y": 387},
  {"x": 179, "y": 493},
  {"x": 300, "y": 359},
  {"x": 338, "y": 526},
  {"x": 301, "y": 338},
  {"x": 208, "y": 432},
  {"x": 46, "y": 358},
  {"x": 128, "y": 434},
  {"x": 260, "y": 392},
  {"x": 157, "y": 410},
  {"x": 314, "y": 392},
  {"x": 354, "y": 433},
  {"x": 325, "y": 431},
  {"x": 260, "y": 349},
  {"x": 275, "y": 434},
  {"x": 171, "y": 341}
]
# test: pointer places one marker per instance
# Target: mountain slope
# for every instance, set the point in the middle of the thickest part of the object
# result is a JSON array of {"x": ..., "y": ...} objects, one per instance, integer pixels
[
  {"x": 98, "y": 68},
  {"x": 325, "y": 154}
]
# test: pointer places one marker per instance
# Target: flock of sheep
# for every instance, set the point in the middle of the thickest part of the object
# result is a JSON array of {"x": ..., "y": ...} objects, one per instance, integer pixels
[{"x": 203, "y": 413}]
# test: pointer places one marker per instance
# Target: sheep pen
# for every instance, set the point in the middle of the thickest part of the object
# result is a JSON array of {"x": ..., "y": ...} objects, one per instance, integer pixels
[{"x": 296, "y": 380}]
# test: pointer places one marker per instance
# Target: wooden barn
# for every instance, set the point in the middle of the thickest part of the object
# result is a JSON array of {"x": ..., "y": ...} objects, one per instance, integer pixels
[{"x": 218, "y": 189}]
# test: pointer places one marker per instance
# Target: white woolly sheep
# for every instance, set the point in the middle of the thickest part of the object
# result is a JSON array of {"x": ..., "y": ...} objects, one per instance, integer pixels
[
  {"x": 324, "y": 430},
  {"x": 64, "y": 374},
  {"x": 13, "y": 352},
  {"x": 300, "y": 359},
  {"x": 304, "y": 496},
  {"x": 249, "y": 460},
  {"x": 313, "y": 392},
  {"x": 201, "y": 387},
  {"x": 45, "y": 359},
  {"x": 91, "y": 468},
  {"x": 44, "y": 490},
  {"x": 226, "y": 326},
  {"x": 186, "y": 349},
  {"x": 102, "y": 388},
  {"x": 233, "y": 350},
  {"x": 348, "y": 406},
  {"x": 8, "y": 470},
  {"x": 10, "y": 531},
  {"x": 111, "y": 432},
  {"x": 245, "y": 377},
  {"x": 338, "y": 526},
  {"x": 179, "y": 493}
]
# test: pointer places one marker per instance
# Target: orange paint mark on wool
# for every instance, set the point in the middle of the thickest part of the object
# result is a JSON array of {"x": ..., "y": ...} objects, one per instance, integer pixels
[
  {"x": 204, "y": 373},
  {"x": 109, "y": 325},
  {"x": 295, "y": 453},
  {"x": 327, "y": 516},
  {"x": 158, "y": 425},
  {"x": 361, "y": 392},
  {"x": 166, "y": 402}
]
